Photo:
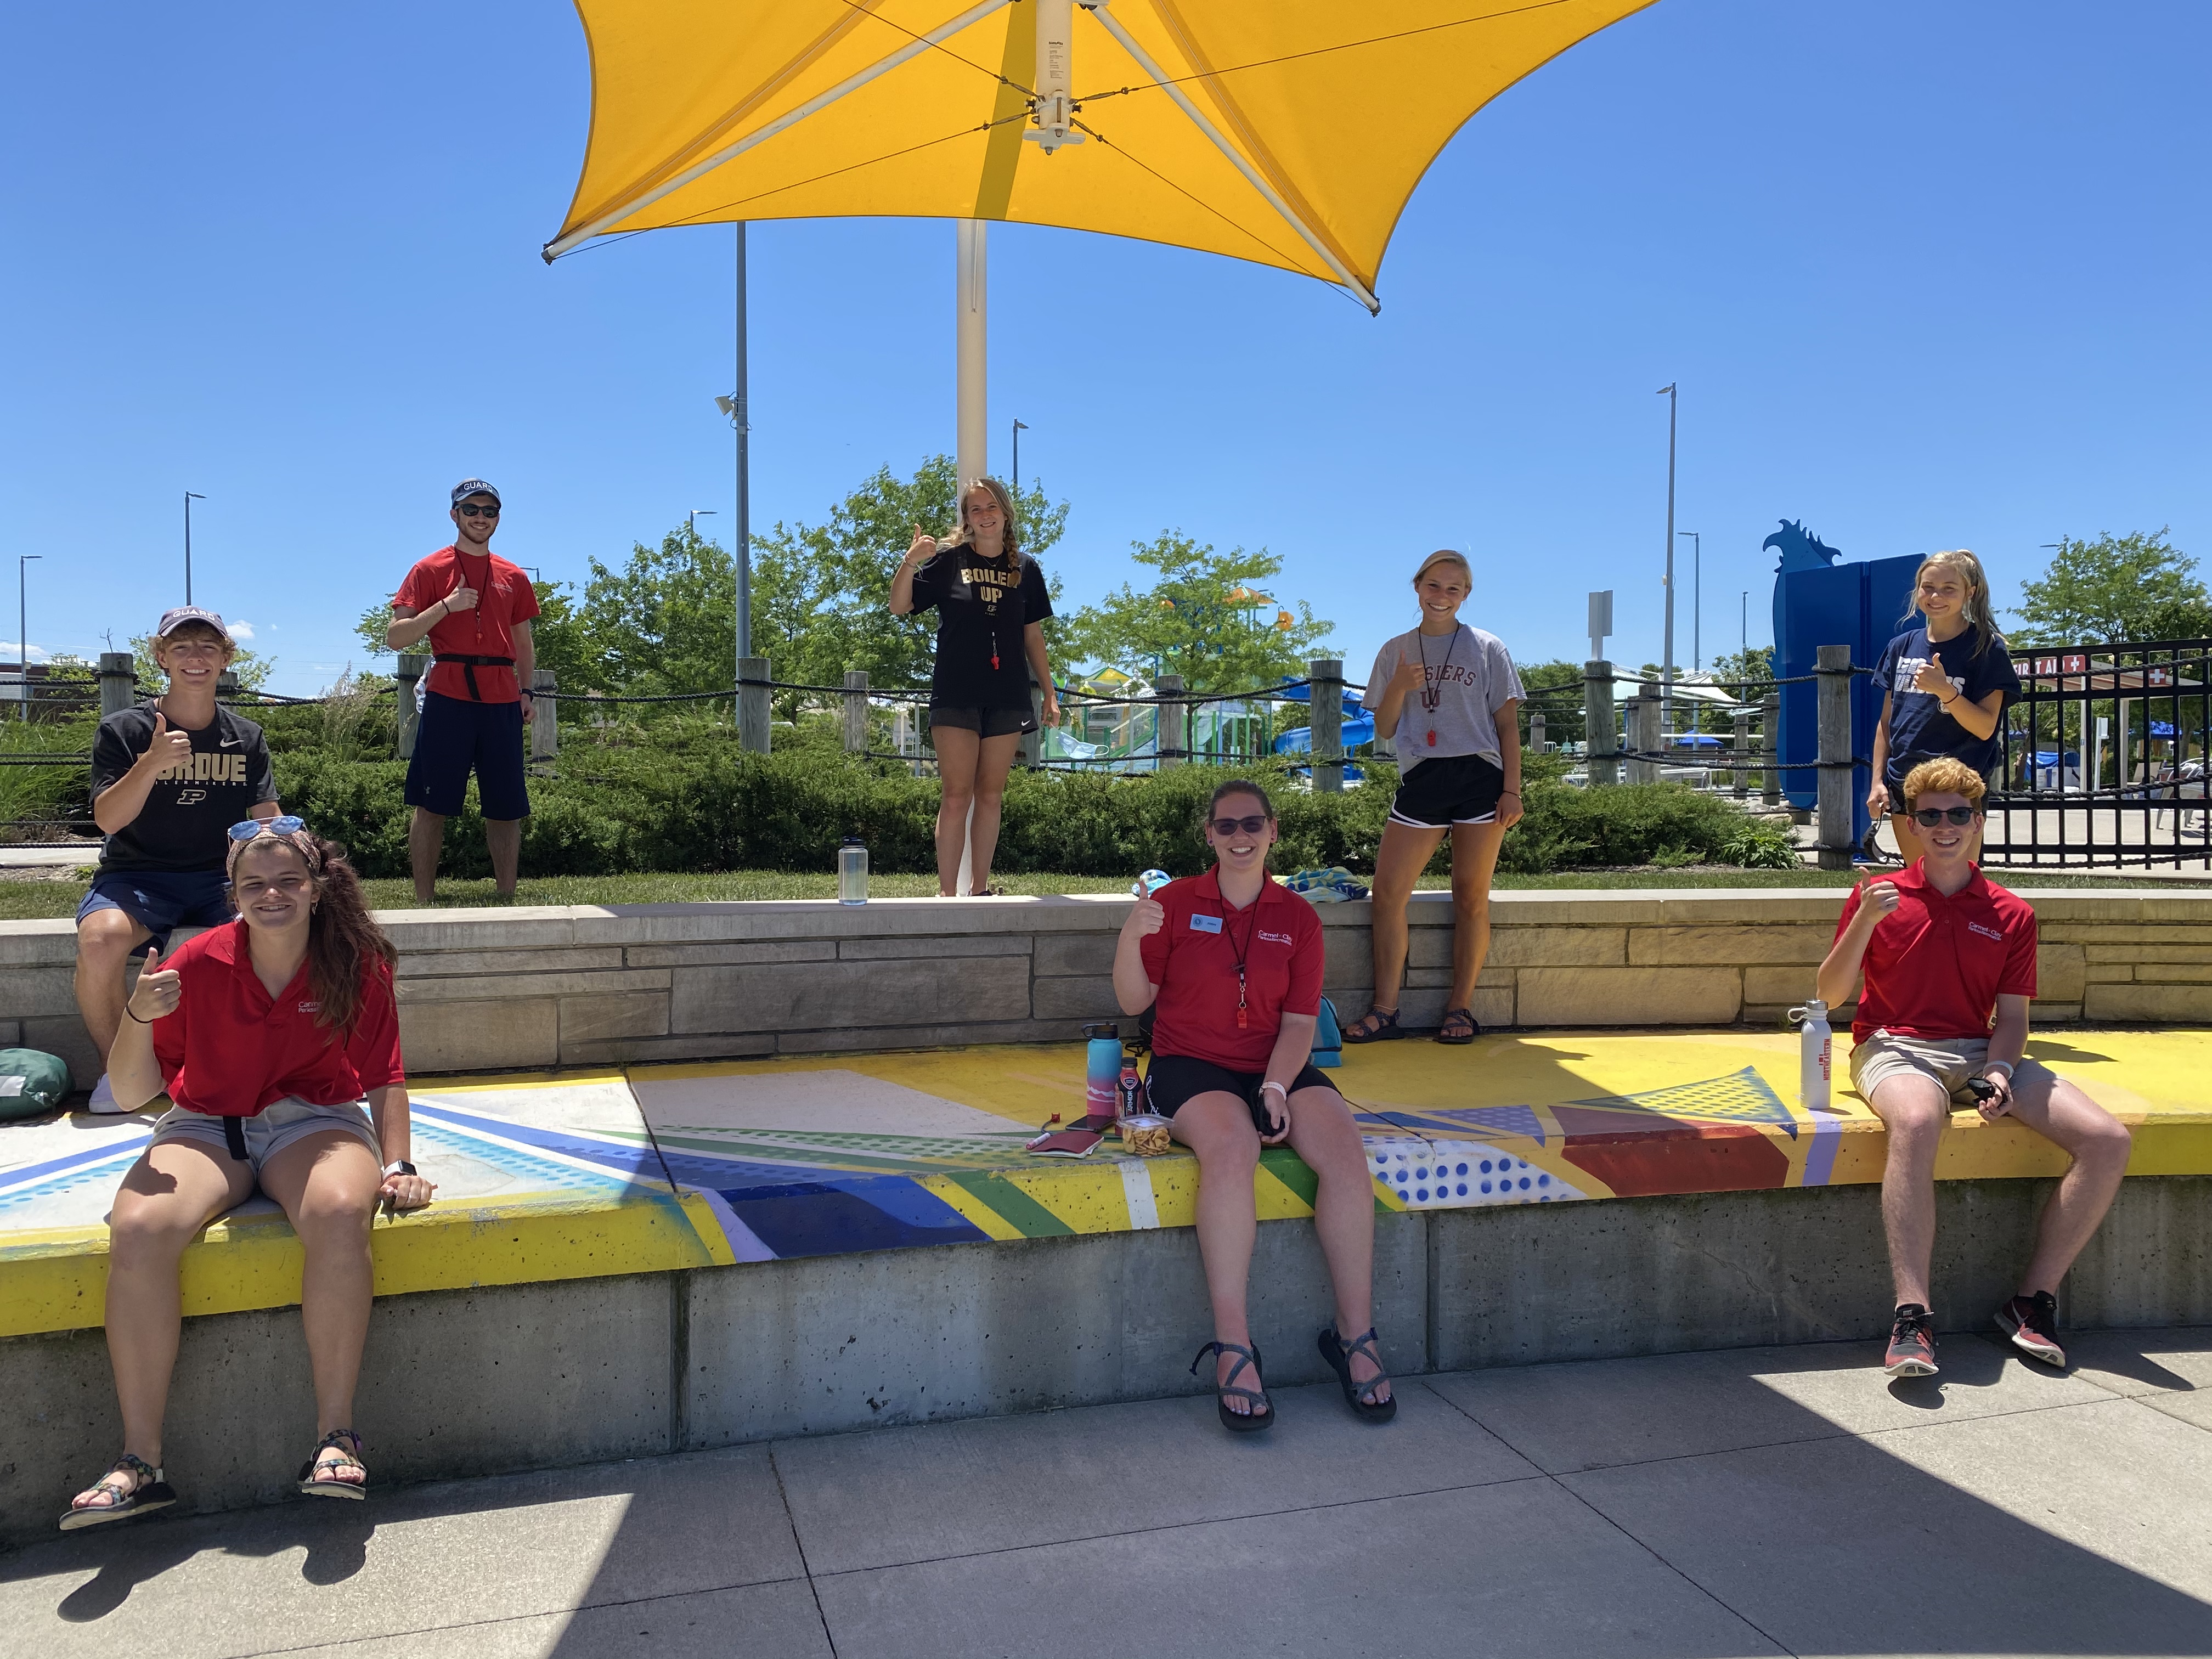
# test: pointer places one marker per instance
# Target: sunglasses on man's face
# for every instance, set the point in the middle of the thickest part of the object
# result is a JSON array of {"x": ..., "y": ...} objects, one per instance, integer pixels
[
  {"x": 471, "y": 510},
  {"x": 1932, "y": 816},
  {"x": 1251, "y": 826}
]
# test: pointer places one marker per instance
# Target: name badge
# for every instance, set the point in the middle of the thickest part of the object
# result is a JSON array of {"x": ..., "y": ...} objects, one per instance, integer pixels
[{"x": 1205, "y": 924}]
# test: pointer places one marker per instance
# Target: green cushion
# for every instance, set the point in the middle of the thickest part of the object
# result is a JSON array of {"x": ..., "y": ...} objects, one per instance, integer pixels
[{"x": 31, "y": 1083}]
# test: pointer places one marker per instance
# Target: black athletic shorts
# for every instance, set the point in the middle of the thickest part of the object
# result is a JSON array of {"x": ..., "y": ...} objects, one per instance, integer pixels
[
  {"x": 983, "y": 722},
  {"x": 1175, "y": 1079},
  {"x": 1453, "y": 789}
]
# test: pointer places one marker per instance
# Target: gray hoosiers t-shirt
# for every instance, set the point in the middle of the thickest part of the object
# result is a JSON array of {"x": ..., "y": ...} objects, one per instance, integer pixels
[{"x": 1472, "y": 677}]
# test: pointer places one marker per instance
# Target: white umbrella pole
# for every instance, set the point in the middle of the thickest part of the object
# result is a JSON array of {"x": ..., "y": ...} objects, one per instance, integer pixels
[{"x": 972, "y": 421}]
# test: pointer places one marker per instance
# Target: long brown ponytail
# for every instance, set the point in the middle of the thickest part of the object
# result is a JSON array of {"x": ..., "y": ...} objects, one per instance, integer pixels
[{"x": 342, "y": 941}]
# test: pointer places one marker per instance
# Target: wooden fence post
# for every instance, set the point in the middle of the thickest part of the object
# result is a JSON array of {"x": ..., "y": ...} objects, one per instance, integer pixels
[
  {"x": 1770, "y": 739},
  {"x": 753, "y": 704},
  {"x": 856, "y": 711},
  {"x": 1833, "y": 666},
  {"x": 117, "y": 669},
  {"x": 1600, "y": 737},
  {"x": 1328, "y": 688},
  {"x": 544, "y": 717},
  {"x": 412, "y": 666}
]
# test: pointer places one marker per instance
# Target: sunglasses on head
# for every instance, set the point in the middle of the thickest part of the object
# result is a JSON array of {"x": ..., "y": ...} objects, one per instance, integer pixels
[
  {"x": 1929, "y": 818},
  {"x": 1251, "y": 826},
  {"x": 471, "y": 510},
  {"x": 286, "y": 825}
]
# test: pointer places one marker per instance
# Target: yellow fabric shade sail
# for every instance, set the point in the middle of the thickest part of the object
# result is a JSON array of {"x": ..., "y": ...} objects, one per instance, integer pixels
[{"x": 1288, "y": 132}]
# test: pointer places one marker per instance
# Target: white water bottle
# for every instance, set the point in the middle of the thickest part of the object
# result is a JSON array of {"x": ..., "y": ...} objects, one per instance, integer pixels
[{"x": 1815, "y": 1055}]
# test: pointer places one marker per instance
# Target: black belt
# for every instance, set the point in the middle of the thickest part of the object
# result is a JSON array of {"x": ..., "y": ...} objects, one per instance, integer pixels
[
  {"x": 469, "y": 667},
  {"x": 233, "y": 1137}
]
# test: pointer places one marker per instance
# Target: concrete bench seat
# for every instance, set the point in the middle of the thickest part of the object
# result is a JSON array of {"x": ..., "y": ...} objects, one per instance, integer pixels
[{"x": 857, "y": 1241}]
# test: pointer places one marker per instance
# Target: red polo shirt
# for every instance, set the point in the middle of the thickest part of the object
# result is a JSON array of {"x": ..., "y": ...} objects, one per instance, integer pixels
[
  {"x": 1936, "y": 966},
  {"x": 504, "y": 598},
  {"x": 1193, "y": 959},
  {"x": 231, "y": 1048}
]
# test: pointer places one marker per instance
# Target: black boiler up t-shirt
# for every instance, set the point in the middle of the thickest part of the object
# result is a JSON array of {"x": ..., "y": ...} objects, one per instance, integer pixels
[
  {"x": 1919, "y": 728},
  {"x": 183, "y": 825},
  {"x": 982, "y": 610}
]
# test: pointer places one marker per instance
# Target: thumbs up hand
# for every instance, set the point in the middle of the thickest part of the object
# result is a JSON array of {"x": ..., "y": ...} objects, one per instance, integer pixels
[
  {"x": 158, "y": 991},
  {"x": 920, "y": 550},
  {"x": 1931, "y": 678},
  {"x": 169, "y": 748}
]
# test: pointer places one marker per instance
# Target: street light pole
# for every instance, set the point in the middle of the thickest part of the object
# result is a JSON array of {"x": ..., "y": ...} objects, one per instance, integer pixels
[
  {"x": 1020, "y": 427},
  {"x": 23, "y": 617},
  {"x": 189, "y": 499},
  {"x": 1667, "y": 667},
  {"x": 691, "y": 519},
  {"x": 1743, "y": 622},
  {"x": 1696, "y": 599}
]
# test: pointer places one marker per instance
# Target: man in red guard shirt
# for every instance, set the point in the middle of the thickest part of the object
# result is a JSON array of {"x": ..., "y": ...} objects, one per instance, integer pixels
[
  {"x": 1949, "y": 959},
  {"x": 476, "y": 608}
]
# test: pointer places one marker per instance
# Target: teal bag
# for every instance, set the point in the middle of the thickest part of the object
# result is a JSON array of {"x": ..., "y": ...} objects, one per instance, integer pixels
[
  {"x": 31, "y": 1083},
  {"x": 1328, "y": 1038}
]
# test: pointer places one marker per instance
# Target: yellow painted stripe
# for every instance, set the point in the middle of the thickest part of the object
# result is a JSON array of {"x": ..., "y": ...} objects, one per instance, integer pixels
[
  {"x": 59, "y": 1282},
  {"x": 972, "y": 1209}
]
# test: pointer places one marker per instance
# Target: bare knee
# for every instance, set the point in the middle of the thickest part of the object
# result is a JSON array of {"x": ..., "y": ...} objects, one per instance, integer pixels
[
  {"x": 988, "y": 796},
  {"x": 957, "y": 800},
  {"x": 1470, "y": 904},
  {"x": 142, "y": 1235},
  {"x": 103, "y": 939},
  {"x": 2105, "y": 1143}
]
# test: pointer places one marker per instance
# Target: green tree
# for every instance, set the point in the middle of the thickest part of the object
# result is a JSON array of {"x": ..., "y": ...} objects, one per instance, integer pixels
[
  {"x": 663, "y": 622},
  {"x": 2114, "y": 589},
  {"x": 1563, "y": 715},
  {"x": 821, "y": 592},
  {"x": 1197, "y": 620}
]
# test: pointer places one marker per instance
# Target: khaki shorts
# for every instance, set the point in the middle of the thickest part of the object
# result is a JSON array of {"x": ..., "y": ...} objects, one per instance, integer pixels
[
  {"x": 1949, "y": 1061},
  {"x": 270, "y": 1130}
]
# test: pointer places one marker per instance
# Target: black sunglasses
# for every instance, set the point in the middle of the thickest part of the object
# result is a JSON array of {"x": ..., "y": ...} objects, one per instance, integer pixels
[
  {"x": 1934, "y": 815},
  {"x": 471, "y": 510},
  {"x": 1251, "y": 826}
]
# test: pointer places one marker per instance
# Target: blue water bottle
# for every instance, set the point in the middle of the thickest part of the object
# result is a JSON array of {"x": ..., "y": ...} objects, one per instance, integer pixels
[{"x": 1102, "y": 1070}]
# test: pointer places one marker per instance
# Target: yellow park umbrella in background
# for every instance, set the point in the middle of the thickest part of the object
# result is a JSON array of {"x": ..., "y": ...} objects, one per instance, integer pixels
[{"x": 1287, "y": 132}]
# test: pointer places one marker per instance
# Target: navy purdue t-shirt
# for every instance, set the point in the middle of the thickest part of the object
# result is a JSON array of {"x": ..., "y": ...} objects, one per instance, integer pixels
[
  {"x": 1920, "y": 727},
  {"x": 185, "y": 823}
]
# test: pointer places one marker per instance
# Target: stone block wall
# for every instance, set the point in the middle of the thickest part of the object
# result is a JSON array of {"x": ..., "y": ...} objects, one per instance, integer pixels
[{"x": 486, "y": 990}]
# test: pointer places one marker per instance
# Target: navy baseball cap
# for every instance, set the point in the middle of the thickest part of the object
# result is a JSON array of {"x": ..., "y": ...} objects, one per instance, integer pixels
[
  {"x": 469, "y": 487},
  {"x": 173, "y": 620}
]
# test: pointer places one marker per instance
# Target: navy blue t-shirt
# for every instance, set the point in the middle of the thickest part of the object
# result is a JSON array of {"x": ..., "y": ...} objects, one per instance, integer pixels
[{"x": 1919, "y": 728}]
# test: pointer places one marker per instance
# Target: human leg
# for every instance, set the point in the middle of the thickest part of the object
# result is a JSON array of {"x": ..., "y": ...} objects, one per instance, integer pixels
[
  {"x": 1914, "y": 1107},
  {"x": 327, "y": 1183},
  {"x": 2099, "y": 1144},
  {"x": 1218, "y": 1126},
  {"x": 994, "y": 761},
  {"x": 1399, "y": 861},
  {"x": 1474, "y": 863},
  {"x": 958, "y": 751},
  {"x": 1324, "y": 1134},
  {"x": 1909, "y": 846},
  {"x": 503, "y": 837},
  {"x": 426, "y": 835},
  {"x": 172, "y": 1192},
  {"x": 106, "y": 939}
]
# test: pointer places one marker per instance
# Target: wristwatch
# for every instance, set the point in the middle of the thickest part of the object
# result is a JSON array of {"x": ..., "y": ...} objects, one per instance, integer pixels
[{"x": 400, "y": 1166}]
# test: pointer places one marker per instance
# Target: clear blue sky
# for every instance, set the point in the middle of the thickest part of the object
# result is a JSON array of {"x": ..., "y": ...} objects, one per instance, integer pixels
[{"x": 1928, "y": 275}]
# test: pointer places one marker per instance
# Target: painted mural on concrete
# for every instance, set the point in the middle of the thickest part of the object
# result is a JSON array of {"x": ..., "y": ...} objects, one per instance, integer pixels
[{"x": 661, "y": 1167}]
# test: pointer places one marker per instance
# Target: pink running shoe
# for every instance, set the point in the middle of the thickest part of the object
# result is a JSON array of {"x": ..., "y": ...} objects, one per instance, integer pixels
[
  {"x": 2032, "y": 1321},
  {"x": 1911, "y": 1342}
]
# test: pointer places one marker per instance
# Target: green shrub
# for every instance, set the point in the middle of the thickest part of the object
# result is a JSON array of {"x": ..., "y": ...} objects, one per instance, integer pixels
[{"x": 681, "y": 796}]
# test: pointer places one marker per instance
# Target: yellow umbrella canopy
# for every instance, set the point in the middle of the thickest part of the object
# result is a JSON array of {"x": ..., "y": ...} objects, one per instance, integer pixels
[{"x": 1287, "y": 132}]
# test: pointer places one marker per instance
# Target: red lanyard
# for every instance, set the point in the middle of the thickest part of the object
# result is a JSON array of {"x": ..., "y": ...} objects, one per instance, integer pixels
[{"x": 1242, "y": 951}]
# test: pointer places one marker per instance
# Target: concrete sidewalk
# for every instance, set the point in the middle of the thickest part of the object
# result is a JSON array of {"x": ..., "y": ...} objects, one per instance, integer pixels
[{"x": 1756, "y": 1501}]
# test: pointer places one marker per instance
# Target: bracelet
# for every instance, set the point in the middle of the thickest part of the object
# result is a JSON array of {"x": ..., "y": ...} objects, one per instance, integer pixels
[
  {"x": 1281, "y": 1088},
  {"x": 126, "y": 1009},
  {"x": 398, "y": 1166},
  {"x": 2005, "y": 1063}
]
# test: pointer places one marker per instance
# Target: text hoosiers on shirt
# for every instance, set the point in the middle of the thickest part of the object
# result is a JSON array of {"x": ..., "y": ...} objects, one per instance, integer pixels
[{"x": 208, "y": 767}]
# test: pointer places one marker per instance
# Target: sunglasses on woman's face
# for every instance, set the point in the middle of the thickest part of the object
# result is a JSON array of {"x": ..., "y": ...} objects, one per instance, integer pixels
[
  {"x": 1934, "y": 815},
  {"x": 1251, "y": 826}
]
